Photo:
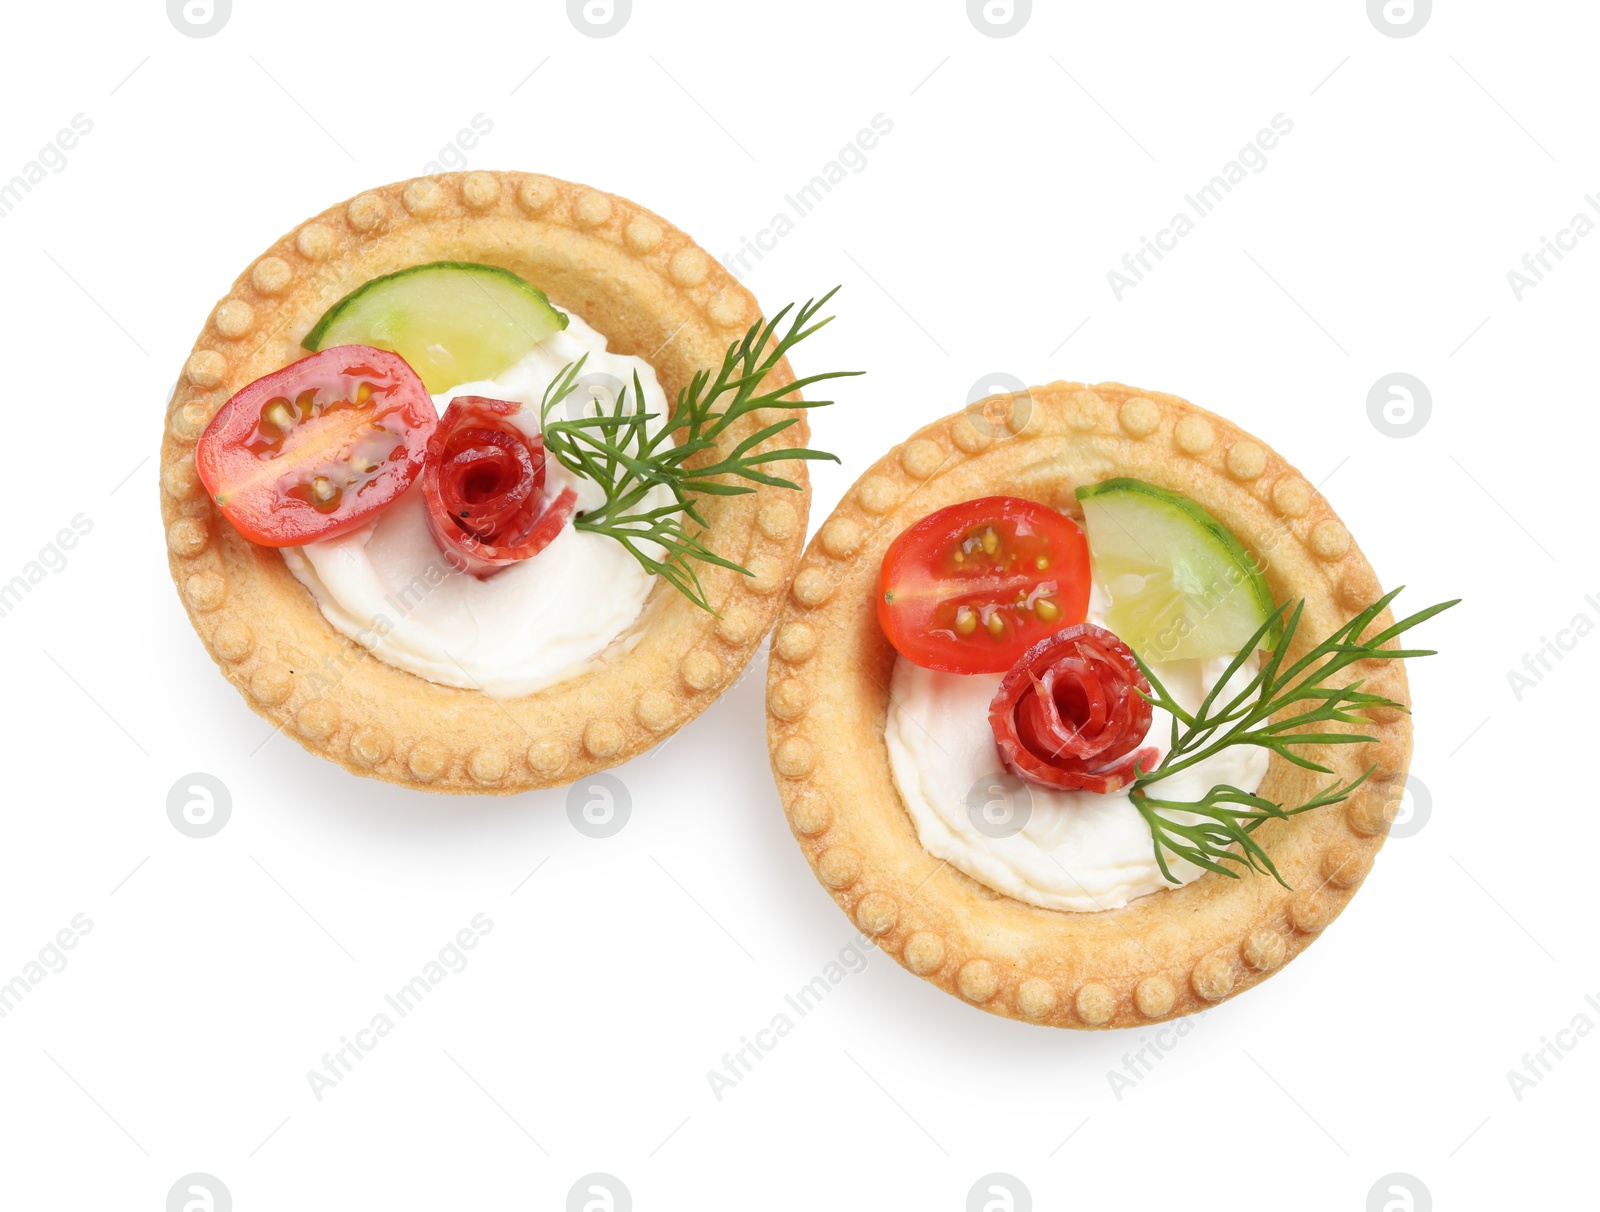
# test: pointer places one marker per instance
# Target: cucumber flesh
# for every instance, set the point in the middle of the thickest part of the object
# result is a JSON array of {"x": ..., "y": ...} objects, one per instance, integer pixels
[
  {"x": 453, "y": 321},
  {"x": 1181, "y": 584}
]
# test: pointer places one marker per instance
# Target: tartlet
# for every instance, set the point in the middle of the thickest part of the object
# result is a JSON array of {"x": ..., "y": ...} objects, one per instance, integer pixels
[
  {"x": 653, "y": 293},
  {"x": 1168, "y": 954}
]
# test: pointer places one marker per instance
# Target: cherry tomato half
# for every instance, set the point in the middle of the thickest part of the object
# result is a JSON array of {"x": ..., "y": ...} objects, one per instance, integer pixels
[
  {"x": 972, "y": 587},
  {"x": 313, "y": 450}
]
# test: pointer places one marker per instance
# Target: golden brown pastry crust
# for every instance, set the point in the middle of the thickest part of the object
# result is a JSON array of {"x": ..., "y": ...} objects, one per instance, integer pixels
[
  {"x": 653, "y": 293},
  {"x": 1164, "y": 955}
]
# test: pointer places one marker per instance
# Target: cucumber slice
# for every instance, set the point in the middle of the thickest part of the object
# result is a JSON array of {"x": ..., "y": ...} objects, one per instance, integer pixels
[
  {"x": 453, "y": 321},
  {"x": 1181, "y": 585}
]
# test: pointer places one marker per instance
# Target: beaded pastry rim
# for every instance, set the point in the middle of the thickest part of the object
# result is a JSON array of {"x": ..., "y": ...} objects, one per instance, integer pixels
[
  {"x": 1172, "y": 953},
  {"x": 651, "y": 291}
]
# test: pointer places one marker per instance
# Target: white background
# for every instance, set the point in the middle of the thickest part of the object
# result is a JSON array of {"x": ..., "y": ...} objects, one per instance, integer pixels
[{"x": 976, "y": 239}]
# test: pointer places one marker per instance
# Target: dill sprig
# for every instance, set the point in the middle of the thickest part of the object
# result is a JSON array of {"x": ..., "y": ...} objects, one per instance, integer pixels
[
  {"x": 1229, "y": 816},
  {"x": 616, "y": 449}
]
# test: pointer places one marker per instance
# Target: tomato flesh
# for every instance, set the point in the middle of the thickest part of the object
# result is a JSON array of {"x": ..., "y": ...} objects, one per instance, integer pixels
[
  {"x": 313, "y": 450},
  {"x": 972, "y": 587}
]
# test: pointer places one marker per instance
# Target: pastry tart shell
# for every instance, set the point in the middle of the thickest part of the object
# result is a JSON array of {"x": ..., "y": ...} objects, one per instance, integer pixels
[
  {"x": 1172, "y": 953},
  {"x": 653, "y": 293}
]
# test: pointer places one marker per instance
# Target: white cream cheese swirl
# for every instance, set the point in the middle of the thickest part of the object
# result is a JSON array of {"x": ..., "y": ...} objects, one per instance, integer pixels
[
  {"x": 1075, "y": 850},
  {"x": 538, "y": 622}
]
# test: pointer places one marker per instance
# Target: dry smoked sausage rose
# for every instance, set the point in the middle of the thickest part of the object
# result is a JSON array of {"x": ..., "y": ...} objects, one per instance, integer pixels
[
  {"x": 1070, "y": 714},
  {"x": 483, "y": 481}
]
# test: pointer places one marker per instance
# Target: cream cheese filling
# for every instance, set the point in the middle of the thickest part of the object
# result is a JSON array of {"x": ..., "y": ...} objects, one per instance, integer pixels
[
  {"x": 537, "y": 623},
  {"x": 1072, "y": 850}
]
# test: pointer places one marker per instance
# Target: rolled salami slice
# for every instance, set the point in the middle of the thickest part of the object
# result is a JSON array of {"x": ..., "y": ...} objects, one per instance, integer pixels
[
  {"x": 483, "y": 482},
  {"x": 1070, "y": 714}
]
